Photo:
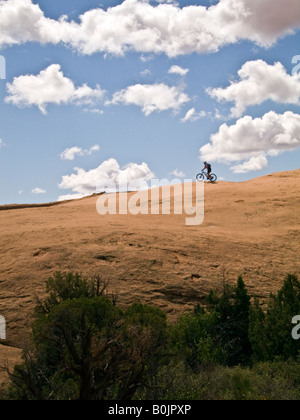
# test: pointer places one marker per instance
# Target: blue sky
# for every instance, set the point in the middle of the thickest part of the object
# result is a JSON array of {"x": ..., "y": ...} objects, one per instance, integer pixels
[{"x": 147, "y": 88}]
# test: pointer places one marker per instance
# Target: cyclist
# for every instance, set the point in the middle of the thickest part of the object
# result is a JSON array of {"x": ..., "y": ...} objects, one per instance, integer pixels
[{"x": 207, "y": 166}]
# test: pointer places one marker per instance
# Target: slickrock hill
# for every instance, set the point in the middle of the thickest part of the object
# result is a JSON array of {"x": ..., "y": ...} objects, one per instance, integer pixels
[{"x": 250, "y": 228}]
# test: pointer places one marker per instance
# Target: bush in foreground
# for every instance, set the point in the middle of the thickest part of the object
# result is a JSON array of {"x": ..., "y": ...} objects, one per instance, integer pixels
[{"x": 84, "y": 347}]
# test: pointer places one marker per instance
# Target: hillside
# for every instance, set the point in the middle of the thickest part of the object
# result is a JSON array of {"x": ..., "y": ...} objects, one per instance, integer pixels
[{"x": 250, "y": 228}]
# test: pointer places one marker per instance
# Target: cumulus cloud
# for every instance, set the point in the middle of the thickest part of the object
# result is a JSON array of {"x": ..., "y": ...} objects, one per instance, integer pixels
[
  {"x": 70, "y": 197},
  {"x": 258, "y": 83},
  {"x": 50, "y": 86},
  {"x": 38, "y": 190},
  {"x": 146, "y": 58},
  {"x": 250, "y": 140},
  {"x": 108, "y": 174},
  {"x": 160, "y": 28},
  {"x": 156, "y": 97},
  {"x": 94, "y": 111},
  {"x": 192, "y": 115},
  {"x": 72, "y": 152},
  {"x": 178, "y": 70},
  {"x": 178, "y": 174},
  {"x": 145, "y": 73},
  {"x": 256, "y": 163}
]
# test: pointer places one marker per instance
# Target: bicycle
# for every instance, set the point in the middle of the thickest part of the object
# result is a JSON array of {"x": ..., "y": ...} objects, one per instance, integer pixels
[{"x": 203, "y": 175}]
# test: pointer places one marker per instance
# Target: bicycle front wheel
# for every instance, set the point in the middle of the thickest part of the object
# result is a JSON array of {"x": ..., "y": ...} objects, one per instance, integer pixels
[{"x": 200, "y": 177}]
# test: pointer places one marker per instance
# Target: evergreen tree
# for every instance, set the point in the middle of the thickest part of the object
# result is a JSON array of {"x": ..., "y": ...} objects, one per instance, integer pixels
[
  {"x": 270, "y": 334},
  {"x": 231, "y": 329},
  {"x": 257, "y": 333}
]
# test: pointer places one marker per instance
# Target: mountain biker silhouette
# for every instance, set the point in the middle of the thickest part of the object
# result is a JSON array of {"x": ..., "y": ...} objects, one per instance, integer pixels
[{"x": 207, "y": 166}]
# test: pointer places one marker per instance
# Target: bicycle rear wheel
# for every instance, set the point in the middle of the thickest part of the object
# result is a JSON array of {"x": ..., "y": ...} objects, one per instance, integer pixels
[
  {"x": 200, "y": 177},
  {"x": 213, "y": 178}
]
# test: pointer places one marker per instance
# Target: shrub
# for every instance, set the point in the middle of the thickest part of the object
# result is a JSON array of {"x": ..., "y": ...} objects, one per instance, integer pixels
[
  {"x": 270, "y": 332},
  {"x": 86, "y": 348}
]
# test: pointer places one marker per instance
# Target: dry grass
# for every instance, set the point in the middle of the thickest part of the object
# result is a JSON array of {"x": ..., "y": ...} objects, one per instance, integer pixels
[{"x": 250, "y": 228}]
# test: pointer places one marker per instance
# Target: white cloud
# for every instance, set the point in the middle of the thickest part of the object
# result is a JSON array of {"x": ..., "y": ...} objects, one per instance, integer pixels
[
  {"x": 94, "y": 111},
  {"x": 256, "y": 163},
  {"x": 178, "y": 174},
  {"x": 219, "y": 116},
  {"x": 192, "y": 115},
  {"x": 70, "y": 197},
  {"x": 251, "y": 140},
  {"x": 145, "y": 73},
  {"x": 146, "y": 58},
  {"x": 72, "y": 152},
  {"x": 156, "y": 97},
  {"x": 94, "y": 148},
  {"x": 146, "y": 28},
  {"x": 38, "y": 190},
  {"x": 178, "y": 70},
  {"x": 50, "y": 86},
  {"x": 107, "y": 174},
  {"x": 258, "y": 83}
]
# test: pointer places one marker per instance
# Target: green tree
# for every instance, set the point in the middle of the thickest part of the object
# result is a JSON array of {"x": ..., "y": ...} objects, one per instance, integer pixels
[
  {"x": 270, "y": 333},
  {"x": 257, "y": 333},
  {"x": 232, "y": 322},
  {"x": 87, "y": 348},
  {"x": 193, "y": 336},
  {"x": 67, "y": 286}
]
